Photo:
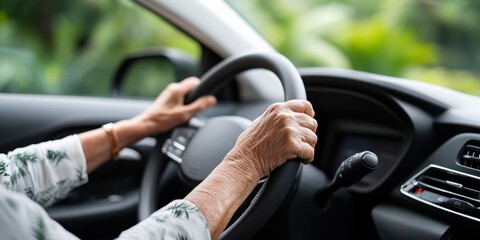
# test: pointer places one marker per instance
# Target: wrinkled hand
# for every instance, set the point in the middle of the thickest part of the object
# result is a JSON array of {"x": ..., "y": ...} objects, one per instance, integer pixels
[
  {"x": 284, "y": 131},
  {"x": 168, "y": 109}
]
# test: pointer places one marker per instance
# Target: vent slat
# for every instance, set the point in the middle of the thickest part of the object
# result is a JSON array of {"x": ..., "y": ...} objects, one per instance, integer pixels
[
  {"x": 470, "y": 155},
  {"x": 450, "y": 182},
  {"x": 472, "y": 148}
]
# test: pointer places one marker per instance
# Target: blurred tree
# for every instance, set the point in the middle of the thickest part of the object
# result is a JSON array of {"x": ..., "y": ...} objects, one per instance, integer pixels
[
  {"x": 404, "y": 38},
  {"x": 73, "y": 47}
]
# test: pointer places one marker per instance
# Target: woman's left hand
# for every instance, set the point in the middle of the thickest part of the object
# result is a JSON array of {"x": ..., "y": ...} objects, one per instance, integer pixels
[{"x": 169, "y": 111}]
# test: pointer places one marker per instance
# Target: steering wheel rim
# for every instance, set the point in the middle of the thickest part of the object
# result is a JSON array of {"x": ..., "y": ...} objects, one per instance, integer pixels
[{"x": 279, "y": 182}]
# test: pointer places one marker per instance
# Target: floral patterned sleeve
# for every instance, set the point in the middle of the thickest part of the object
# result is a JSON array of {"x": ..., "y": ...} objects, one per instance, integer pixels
[
  {"x": 22, "y": 218},
  {"x": 180, "y": 219},
  {"x": 45, "y": 172}
]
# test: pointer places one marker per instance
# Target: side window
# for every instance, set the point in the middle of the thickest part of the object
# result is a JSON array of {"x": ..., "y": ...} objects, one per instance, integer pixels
[{"x": 75, "y": 47}]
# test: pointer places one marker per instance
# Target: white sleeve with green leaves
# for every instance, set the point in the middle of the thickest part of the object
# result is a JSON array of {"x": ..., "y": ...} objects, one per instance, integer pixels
[
  {"x": 45, "y": 172},
  {"x": 22, "y": 218},
  {"x": 180, "y": 220}
]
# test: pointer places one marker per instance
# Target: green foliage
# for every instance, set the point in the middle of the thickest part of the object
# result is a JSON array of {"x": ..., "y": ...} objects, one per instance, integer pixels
[
  {"x": 372, "y": 46},
  {"x": 142, "y": 77},
  {"x": 460, "y": 80},
  {"x": 74, "y": 47},
  {"x": 3, "y": 169},
  {"x": 161, "y": 219},
  {"x": 56, "y": 156},
  {"x": 432, "y": 41},
  {"x": 182, "y": 237},
  {"x": 23, "y": 159},
  {"x": 181, "y": 209},
  {"x": 80, "y": 174},
  {"x": 40, "y": 230}
]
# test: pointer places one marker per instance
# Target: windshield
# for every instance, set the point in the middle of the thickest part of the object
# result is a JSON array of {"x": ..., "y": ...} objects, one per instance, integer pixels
[{"x": 429, "y": 40}]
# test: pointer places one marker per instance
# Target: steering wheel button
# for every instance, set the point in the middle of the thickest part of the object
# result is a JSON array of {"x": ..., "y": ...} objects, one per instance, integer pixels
[
  {"x": 166, "y": 145},
  {"x": 177, "y": 152},
  {"x": 170, "y": 148},
  {"x": 174, "y": 158},
  {"x": 181, "y": 140},
  {"x": 179, "y": 146}
]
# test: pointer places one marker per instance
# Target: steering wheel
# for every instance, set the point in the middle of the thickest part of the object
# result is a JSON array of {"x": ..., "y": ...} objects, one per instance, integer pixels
[{"x": 199, "y": 148}]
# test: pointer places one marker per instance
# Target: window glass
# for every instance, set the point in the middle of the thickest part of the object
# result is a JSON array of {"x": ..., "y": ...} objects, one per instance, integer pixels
[
  {"x": 430, "y": 40},
  {"x": 74, "y": 47},
  {"x": 141, "y": 79}
]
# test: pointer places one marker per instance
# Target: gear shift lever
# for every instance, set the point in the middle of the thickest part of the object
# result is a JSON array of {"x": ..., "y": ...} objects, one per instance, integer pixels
[{"x": 349, "y": 172}]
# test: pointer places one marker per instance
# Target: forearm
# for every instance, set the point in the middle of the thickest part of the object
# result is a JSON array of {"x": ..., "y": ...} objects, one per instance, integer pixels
[
  {"x": 97, "y": 144},
  {"x": 222, "y": 193}
]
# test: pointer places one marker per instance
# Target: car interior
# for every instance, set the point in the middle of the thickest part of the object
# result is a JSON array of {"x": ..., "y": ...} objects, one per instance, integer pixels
[{"x": 425, "y": 183}]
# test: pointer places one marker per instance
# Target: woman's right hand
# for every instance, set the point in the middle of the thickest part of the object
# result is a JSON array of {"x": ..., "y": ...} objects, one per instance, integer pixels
[{"x": 284, "y": 131}]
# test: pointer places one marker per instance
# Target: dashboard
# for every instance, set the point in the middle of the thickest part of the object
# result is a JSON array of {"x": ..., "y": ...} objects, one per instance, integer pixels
[
  {"x": 384, "y": 146},
  {"x": 427, "y": 183},
  {"x": 352, "y": 121}
]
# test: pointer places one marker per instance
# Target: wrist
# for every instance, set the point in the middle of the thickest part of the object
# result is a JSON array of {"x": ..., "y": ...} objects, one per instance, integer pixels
[
  {"x": 113, "y": 138},
  {"x": 129, "y": 131},
  {"x": 155, "y": 123},
  {"x": 147, "y": 124},
  {"x": 244, "y": 164}
]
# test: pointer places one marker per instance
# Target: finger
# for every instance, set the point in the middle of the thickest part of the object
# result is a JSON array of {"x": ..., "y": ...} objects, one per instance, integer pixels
[
  {"x": 308, "y": 136},
  {"x": 301, "y": 106},
  {"x": 305, "y": 152},
  {"x": 200, "y": 104},
  {"x": 306, "y": 121},
  {"x": 188, "y": 84}
]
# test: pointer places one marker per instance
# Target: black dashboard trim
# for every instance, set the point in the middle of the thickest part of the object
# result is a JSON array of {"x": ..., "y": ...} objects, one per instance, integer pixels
[{"x": 352, "y": 79}]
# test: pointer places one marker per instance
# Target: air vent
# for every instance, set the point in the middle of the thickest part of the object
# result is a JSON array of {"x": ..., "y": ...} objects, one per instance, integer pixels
[
  {"x": 470, "y": 155},
  {"x": 450, "y": 182},
  {"x": 446, "y": 189}
]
